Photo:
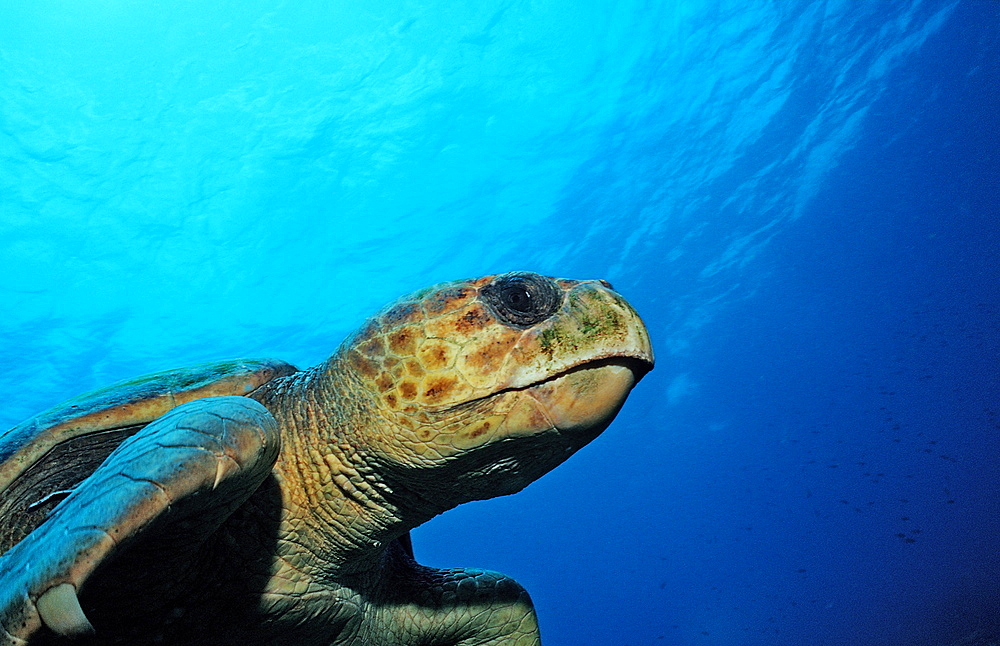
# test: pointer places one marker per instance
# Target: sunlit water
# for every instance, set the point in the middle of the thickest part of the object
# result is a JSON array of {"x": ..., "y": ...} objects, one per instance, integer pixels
[{"x": 799, "y": 197}]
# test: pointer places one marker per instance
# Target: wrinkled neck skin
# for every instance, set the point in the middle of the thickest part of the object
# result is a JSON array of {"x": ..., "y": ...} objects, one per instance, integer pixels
[{"x": 339, "y": 514}]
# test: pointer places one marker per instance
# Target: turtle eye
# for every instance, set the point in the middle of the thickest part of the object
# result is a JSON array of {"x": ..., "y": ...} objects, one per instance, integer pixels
[
  {"x": 522, "y": 299},
  {"x": 517, "y": 298}
]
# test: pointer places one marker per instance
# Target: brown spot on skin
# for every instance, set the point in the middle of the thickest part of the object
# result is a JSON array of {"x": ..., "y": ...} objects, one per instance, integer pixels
[
  {"x": 408, "y": 389},
  {"x": 435, "y": 356},
  {"x": 490, "y": 356},
  {"x": 480, "y": 430},
  {"x": 537, "y": 419},
  {"x": 373, "y": 348},
  {"x": 414, "y": 368},
  {"x": 438, "y": 388},
  {"x": 477, "y": 433},
  {"x": 401, "y": 314},
  {"x": 438, "y": 357},
  {"x": 384, "y": 382},
  {"x": 403, "y": 342},
  {"x": 391, "y": 400},
  {"x": 447, "y": 300},
  {"x": 475, "y": 319},
  {"x": 365, "y": 367}
]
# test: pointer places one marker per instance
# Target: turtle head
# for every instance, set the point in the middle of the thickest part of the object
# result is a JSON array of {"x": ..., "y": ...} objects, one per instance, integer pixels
[{"x": 484, "y": 385}]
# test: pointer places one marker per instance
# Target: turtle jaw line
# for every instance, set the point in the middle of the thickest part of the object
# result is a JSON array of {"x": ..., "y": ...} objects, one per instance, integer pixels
[{"x": 638, "y": 365}]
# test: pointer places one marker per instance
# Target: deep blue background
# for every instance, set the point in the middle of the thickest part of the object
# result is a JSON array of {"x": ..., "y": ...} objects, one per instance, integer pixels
[{"x": 800, "y": 198}]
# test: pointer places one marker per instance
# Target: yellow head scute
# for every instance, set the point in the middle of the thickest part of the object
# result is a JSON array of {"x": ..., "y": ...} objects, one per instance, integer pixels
[
  {"x": 435, "y": 355},
  {"x": 484, "y": 357},
  {"x": 403, "y": 342},
  {"x": 447, "y": 299}
]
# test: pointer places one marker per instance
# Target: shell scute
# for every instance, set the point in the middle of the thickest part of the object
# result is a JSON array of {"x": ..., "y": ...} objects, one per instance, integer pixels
[{"x": 130, "y": 403}]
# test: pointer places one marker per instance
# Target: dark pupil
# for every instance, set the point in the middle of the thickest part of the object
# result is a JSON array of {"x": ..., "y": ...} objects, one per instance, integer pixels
[{"x": 516, "y": 297}]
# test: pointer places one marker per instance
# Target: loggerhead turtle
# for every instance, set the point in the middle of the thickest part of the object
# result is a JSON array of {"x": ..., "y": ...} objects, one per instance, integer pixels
[{"x": 248, "y": 502}]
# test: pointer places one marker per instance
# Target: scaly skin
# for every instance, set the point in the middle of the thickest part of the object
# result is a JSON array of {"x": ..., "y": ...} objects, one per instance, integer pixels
[{"x": 463, "y": 391}]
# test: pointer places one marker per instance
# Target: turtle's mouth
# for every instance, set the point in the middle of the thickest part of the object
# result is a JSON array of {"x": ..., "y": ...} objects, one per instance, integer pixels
[
  {"x": 578, "y": 402},
  {"x": 585, "y": 398}
]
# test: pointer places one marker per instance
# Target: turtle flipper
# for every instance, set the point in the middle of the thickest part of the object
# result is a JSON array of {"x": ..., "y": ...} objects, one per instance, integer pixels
[
  {"x": 459, "y": 607},
  {"x": 220, "y": 448}
]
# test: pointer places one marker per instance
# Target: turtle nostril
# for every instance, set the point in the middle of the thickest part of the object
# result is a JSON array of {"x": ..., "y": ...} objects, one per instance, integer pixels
[{"x": 605, "y": 283}]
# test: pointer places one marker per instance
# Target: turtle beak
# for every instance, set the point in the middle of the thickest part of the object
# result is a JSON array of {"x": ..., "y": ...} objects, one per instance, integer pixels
[{"x": 582, "y": 401}]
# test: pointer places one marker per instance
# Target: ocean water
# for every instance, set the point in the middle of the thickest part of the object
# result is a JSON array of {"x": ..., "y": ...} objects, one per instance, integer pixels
[{"x": 800, "y": 198}]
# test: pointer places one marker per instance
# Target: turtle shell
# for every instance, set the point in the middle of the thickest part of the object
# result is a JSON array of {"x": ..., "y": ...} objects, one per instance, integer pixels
[{"x": 45, "y": 457}]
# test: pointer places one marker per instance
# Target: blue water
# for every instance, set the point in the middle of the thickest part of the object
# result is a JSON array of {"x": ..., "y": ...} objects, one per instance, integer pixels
[{"x": 801, "y": 198}]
